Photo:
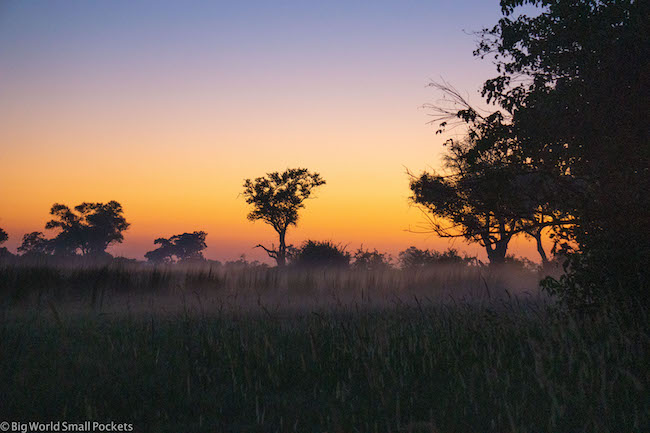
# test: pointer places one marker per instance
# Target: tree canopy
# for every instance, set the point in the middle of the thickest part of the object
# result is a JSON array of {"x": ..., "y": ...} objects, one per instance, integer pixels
[
  {"x": 276, "y": 199},
  {"x": 490, "y": 191},
  {"x": 487, "y": 194},
  {"x": 35, "y": 244},
  {"x": 90, "y": 228},
  {"x": 186, "y": 247}
]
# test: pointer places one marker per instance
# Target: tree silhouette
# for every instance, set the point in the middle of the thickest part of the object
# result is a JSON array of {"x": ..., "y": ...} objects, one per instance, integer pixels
[
  {"x": 493, "y": 191},
  {"x": 475, "y": 201},
  {"x": 35, "y": 244},
  {"x": 488, "y": 202},
  {"x": 276, "y": 199},
  {"x": 90, "y": 228},
  {"x": 186, "y": 247},
  {"x": 575, "y": 80},
  {"x": 4, "y": 252},
  {"x": 71, "y": 237}
]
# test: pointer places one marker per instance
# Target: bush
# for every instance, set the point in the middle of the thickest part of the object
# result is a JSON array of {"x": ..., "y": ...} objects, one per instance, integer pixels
[
  {"x": 320, "y": 254},
  {"x": 414, "y": 257},
  {"x": 371, "y": 260}
]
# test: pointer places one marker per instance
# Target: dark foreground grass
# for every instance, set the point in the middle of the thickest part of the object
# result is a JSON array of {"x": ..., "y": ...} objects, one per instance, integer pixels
[{"x": 453, "y": 368}]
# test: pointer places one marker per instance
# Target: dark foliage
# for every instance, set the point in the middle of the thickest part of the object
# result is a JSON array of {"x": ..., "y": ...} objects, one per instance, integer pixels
[
  {"x": 184, "y": 248},
  {"x": 276, "y": 199},
  {"x": 371, "y": 260},
  {"x": 36, "y": 245},
  {"x": 413, "y": 257},
  {"x": 88, "y": 229},
  {"x": 575, "y": 78},
  {"x": 472, "y": 203},
  {"x": 489, "y": 192},
  {"x": 320, "y": 254},
  {"x": 4, "y": 253}
]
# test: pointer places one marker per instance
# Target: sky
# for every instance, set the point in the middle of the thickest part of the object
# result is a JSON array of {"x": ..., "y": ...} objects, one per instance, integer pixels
[{"x": 167, "y": 107}]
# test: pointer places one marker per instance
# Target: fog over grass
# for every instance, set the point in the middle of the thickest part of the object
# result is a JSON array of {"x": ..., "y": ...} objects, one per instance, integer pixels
[{"x": 123, "y": 288}]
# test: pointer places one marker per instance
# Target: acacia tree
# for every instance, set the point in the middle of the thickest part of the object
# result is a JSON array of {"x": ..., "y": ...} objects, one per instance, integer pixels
[
  {"x": 90, "y": 228},
  {"x": 476, "y": 200},
  {"x": 493, "y": 191},
  {"x": 469, "y": 204},
  {"x": 489, "y": 197},
  {"x": 276, "y": 199},
  {"x": 185, "y": 247}
]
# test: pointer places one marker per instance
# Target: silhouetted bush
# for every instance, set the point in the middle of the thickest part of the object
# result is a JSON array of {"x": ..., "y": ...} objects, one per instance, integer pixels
[
  {"x": 320, "y": 254},
  {"x": 371, "y": 260},
  {"x": 414, "y": 258}
]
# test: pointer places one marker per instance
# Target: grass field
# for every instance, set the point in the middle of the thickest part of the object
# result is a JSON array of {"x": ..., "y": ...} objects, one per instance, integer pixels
[{"x": 259, "y": 351}]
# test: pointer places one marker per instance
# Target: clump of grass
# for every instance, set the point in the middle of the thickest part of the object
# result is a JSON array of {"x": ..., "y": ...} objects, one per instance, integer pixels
[{"x": 493, "y": 367}]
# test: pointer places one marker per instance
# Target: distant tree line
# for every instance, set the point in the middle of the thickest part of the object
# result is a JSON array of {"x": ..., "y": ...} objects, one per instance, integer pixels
[
  {"x": 89, "y": 229},
  {"x": 187, "y": 248}
]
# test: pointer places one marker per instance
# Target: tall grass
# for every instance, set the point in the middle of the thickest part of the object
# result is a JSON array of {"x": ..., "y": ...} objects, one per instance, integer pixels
[
  {"x": 94, "y": 285},
  {"x": 215, "y": 363}
]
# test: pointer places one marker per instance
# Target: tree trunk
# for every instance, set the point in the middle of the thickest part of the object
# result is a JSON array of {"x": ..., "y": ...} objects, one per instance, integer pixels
[
  {"x": 281, "y": 258},
  {"x": 497, "y": 252},
  {"x": 540, "y": 248}
]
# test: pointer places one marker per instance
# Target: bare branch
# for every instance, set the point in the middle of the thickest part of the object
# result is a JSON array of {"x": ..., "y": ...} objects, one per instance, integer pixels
[{"x": 272, "y": 253}]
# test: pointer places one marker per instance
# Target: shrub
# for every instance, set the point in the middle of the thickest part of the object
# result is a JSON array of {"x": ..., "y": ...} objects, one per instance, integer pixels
[
  {"x": 414, "y": 257},
  {"x": 371, "y": 260},
  {"x": 320, "y": 254}
]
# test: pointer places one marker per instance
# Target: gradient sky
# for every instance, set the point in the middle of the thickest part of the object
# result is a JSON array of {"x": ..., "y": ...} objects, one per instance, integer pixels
[{"x": 167, "y": 106}]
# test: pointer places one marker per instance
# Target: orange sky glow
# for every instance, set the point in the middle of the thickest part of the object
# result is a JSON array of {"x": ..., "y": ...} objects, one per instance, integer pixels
[{"x": 171, "y": 125}]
